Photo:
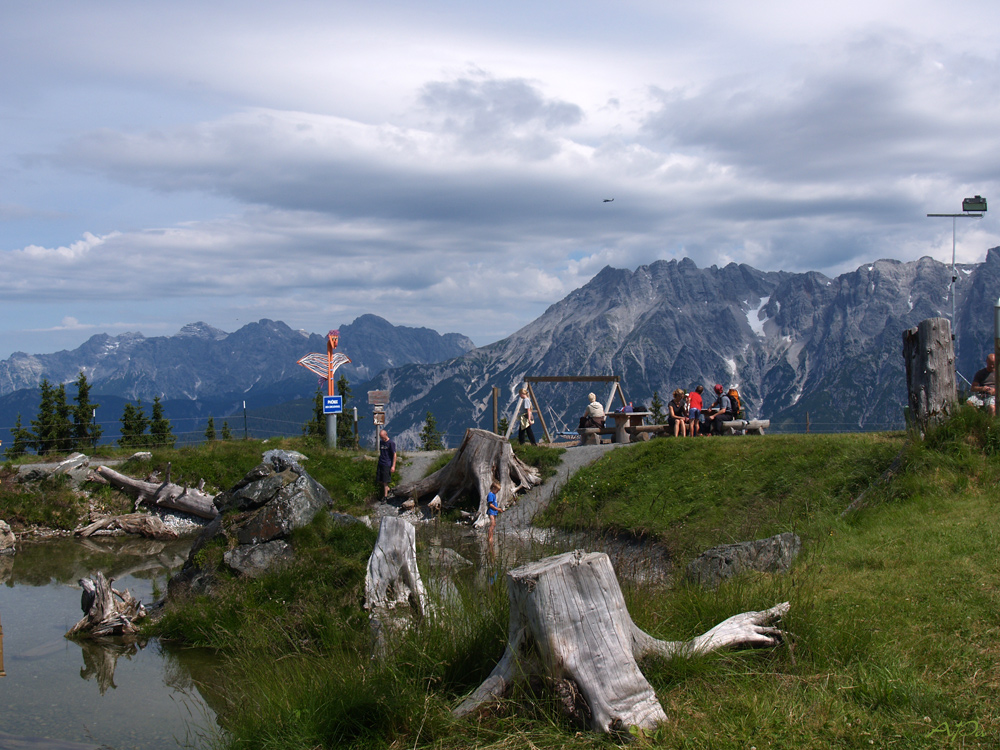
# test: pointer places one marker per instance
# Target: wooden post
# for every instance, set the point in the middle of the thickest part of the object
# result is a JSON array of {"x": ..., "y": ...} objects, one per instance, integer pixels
[
  {"x": 496, "y": 413},
  {"x": 930, "y": 371},
  {"x": 541, "y": 419}
]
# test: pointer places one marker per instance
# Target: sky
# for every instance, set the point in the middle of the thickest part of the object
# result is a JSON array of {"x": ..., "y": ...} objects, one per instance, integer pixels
[{"x": 447, "y": 164}]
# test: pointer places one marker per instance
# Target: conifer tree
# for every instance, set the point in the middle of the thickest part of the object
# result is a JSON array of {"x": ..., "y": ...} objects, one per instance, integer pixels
[
  {"x": 430, "y": 436},
  {"x": 345, "y": 421},
  {"x": 86, "y": 431},
  {"x": 134, "y": 425},
  {"x": 226, "y": 432},
  {"x": 316, "y": 427},
  {"x": 62, "y": 427},
  {"x": 160, "y": 430},
  {"x": 22, "y": 439},
  {"x": 657, "y": 415},
  {"x": 43, "y": 435},
  {"x": 502, "y": 424},
  {"x": 210, "y": 430}
]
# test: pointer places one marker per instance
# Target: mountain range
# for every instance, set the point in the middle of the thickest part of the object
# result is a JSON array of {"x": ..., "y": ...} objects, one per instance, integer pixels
[{"x": 802, "y": 348}]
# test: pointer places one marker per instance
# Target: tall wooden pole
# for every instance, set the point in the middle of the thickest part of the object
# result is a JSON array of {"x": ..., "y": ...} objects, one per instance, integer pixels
[{"x": 496, "y": 407}]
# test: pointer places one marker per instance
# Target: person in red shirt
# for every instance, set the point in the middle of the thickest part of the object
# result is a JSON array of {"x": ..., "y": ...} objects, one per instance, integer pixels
[{"x": 694, "y": 411}]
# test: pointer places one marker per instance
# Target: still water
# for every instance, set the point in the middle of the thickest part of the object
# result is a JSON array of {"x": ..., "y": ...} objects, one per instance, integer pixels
[{"x": 144, "y": 695}]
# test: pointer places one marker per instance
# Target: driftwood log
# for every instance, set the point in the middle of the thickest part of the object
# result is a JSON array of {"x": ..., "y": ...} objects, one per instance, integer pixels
[
  {"x": 929, "y": 354},
  {"x": 165, "y": 494},
  {"x": 142, "y": 524},
  {"x": 482, "y": 457},
  {"x": 106, "y": 611},
  {"x": 569, "y": 626},
  {"x": 393, "y": 580}
]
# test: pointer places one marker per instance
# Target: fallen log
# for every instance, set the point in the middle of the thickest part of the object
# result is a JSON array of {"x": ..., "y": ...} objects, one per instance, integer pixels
[
  {"x": 569, "y": 626},
  {"x": 165, "y": 494},
  {"x": 106, "y": 611},
  {"x": 142, "y": 524},
  {"x": 481, "y": 458}
]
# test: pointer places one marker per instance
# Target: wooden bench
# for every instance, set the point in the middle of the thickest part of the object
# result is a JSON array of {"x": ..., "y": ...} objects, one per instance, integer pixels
[
  {"x": 592, "y": 435},
  {"x": 643, "y": 432},
  {"x": 745, "y": 427}
]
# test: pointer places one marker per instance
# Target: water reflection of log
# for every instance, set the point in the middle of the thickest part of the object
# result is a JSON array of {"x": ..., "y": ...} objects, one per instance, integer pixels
[
  {"x": 142, "y": 524},
  {"x": 100, "y": 659}
]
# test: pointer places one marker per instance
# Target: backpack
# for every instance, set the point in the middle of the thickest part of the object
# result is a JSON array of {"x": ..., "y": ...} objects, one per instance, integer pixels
[{"x": 734, "y": 399}]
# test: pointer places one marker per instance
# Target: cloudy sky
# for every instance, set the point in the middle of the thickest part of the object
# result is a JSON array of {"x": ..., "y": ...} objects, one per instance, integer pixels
[{"x": 445, "y": 164}]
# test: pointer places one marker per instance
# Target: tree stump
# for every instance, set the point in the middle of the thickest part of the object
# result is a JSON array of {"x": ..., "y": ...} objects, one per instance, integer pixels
[
  {"x": 164, "y": 494},
  {"x": 569, "y": 625},
  {"x": 106, "y": 611},
  {"x": 482, "y": 457},
  {"x": 393, "y": 579},
  {"x": 930, "y": 371}
]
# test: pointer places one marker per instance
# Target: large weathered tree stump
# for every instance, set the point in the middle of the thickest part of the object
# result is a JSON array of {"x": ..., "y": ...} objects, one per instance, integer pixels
[
  {"x": 481, "y": 458},
  {"x": 106, "y": 611},
  {"x": 164, "y": 494},
  {"x": 569, "y": 625},
  {"x": 393, "y": 580},
  {"x": 930, "y": 371}
]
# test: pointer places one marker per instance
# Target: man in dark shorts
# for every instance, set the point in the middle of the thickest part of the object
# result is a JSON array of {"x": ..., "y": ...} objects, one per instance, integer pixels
[
  {"x": 984, "y": 386},
  {"x": 720, "y": 411},
  {"x": 386, "y": 462}
]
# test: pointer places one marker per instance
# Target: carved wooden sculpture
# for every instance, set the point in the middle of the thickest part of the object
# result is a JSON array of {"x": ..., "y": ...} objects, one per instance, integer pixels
[{"x": 569, "y": 624}]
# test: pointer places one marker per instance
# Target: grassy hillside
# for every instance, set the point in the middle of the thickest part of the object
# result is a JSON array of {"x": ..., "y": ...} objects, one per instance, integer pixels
[{"x": 893, "y": 630}]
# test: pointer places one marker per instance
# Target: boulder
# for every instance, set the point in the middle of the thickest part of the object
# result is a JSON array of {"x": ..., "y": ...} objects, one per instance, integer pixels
[
  {"x": 255, "y": 517},
  {"x": 773, "y": 555},
  {"x": 7, "y": 540}
]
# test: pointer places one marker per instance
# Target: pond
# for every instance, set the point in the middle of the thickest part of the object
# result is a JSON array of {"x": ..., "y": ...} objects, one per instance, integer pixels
[{"x": 60, "y": 692}]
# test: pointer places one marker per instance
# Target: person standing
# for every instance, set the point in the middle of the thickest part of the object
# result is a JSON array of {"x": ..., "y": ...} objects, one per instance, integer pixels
[
  {"x": 526, "y": 420},
  {"x": 695, "y": 405},
  {"x": 984, "y": 386},
  {"x": 386, "y": 462},
  {"x": 493, "y": 509}
]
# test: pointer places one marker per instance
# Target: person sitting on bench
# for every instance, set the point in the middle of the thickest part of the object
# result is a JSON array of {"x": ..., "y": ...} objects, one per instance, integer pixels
[
  {"x": 720, "y": 411},
  {"x": 984, "y": 392},
  {"x": 593, "y": 416}
]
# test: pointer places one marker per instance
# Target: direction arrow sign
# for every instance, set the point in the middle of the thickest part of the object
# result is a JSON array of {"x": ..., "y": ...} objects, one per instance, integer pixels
[{"x": 333, "y": 404}]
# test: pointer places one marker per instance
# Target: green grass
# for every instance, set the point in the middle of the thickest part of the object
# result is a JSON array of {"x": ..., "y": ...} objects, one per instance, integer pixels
[{"x": 892, "y": 638}]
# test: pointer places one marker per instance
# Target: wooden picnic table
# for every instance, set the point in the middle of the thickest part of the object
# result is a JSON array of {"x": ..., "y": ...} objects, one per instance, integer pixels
[{"x": 623, "y": 421}]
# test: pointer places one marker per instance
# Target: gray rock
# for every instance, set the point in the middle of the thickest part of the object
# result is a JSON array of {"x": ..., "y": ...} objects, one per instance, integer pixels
[
  {"x": 254, "y": 560},
  {"x": 773, "y": 555},
  {"x": 7, "y": 539}
]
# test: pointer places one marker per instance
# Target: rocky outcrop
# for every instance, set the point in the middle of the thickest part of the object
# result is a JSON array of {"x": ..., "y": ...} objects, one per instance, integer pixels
[
  {"x": 256, "y": 516},
  {"x": 773, "y": 555},
  {"x": 8, "y": 542}
]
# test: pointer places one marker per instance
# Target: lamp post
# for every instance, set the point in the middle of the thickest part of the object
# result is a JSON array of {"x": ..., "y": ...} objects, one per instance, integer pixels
[{"x": 972, "y": 208}]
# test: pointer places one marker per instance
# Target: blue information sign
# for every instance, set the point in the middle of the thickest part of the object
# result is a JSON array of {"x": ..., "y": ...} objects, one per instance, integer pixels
[{"x": 333, "y": 404}]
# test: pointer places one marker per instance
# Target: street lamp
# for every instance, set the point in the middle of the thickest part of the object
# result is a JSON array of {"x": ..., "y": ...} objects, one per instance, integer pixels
[{"x": 972, "y": 208}]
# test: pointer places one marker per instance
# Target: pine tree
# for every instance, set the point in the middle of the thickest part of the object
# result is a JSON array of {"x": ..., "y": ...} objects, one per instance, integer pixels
[
  {"x": 430, "y": 436},
  {"x": 502, "y": 424},
  {"x": 160, "y": 430},
  {"x": 210, "y": 430},
  {"x": 226, "y": 432},
  {"x": 134, "y": 425},
  {"x": 22, "y": 439},
  {"x": 44, "y": 433},
  {"x": 345, "y": 422},
  {"x": 656, "y": 409},
  {"x": 86, "y": 431},
  {"x": 316, "y": 427},
  {"x": 62, "y": 427}
]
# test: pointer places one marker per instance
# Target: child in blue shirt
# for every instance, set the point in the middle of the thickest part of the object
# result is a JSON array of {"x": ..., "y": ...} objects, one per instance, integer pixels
[{"x": 493, "y": 509}]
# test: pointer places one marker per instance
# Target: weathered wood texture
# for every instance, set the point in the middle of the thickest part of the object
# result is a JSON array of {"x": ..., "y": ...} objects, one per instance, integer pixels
[
  {"x": 393, "y": 580},
  {"x": 106, "y": 611},
  {"x": 164, "y": 494},
  {"x": 930, "y": 371},
  {"x": 481, "y": 458},
  {"x": 569, "y": 625},
  {"x": 142, "y": 524}
]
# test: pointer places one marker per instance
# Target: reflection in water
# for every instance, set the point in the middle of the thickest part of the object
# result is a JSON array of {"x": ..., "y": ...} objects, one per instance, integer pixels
[
  {"x": 143, "y": 700},
  {"x": 2, "y": 672}
]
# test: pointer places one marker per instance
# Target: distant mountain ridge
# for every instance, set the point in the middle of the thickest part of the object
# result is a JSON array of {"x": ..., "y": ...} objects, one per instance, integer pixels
[{"x": 796, "y": 344}]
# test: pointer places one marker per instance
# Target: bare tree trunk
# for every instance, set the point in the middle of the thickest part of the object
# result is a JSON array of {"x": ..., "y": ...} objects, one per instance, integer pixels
[
  {"x": 393, "y": 579},
  {"x": 164, "y": 495},
  {"x": 105, "y": 610},
  {"x": 930, "y": 371},
  {"x": 481, "y": 458},
  {"x": 569, "y": 625}
]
